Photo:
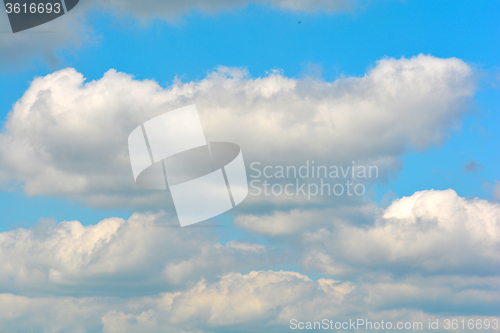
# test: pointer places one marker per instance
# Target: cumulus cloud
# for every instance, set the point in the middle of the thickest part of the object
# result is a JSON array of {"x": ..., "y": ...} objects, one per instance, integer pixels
[
  {"x": 117, "y": 257},
  {"x": 241, "y": 298},
  {"x": 433, "y": 231},
  {"x": 68, "y": 137},
  {"x": 51, "y": 314},
  {"x": 259, "y": 301},
  {"x": 423, "y": 257},
  {"x": 256, "y": 299}
]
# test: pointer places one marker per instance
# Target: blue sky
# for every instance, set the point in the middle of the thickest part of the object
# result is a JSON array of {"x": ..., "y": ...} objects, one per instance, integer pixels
[
  {"x": 309, "y": 47},
  {"x": 261, "y": 38}
]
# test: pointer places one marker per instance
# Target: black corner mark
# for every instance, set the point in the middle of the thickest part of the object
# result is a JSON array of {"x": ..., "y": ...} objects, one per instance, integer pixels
[
  {"x": 26, "y": 14},
  {"x": 70, "y": 4}
]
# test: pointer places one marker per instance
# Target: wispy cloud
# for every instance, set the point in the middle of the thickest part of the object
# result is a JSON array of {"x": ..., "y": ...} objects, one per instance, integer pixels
[{"x": 472, "y": 166}]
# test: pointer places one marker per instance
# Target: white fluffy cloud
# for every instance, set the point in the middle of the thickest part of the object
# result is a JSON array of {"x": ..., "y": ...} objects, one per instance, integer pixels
[
  {"x": 432, "y": 252},
  {"x": 256, "y": 299},
  {"x": 259, "y": 301},
  {"x": 242, "y": 298},
  {"x": 68, "y": 137},
  {"x": 433, "y": 231},
  {"x": 117, "y": 257}
]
